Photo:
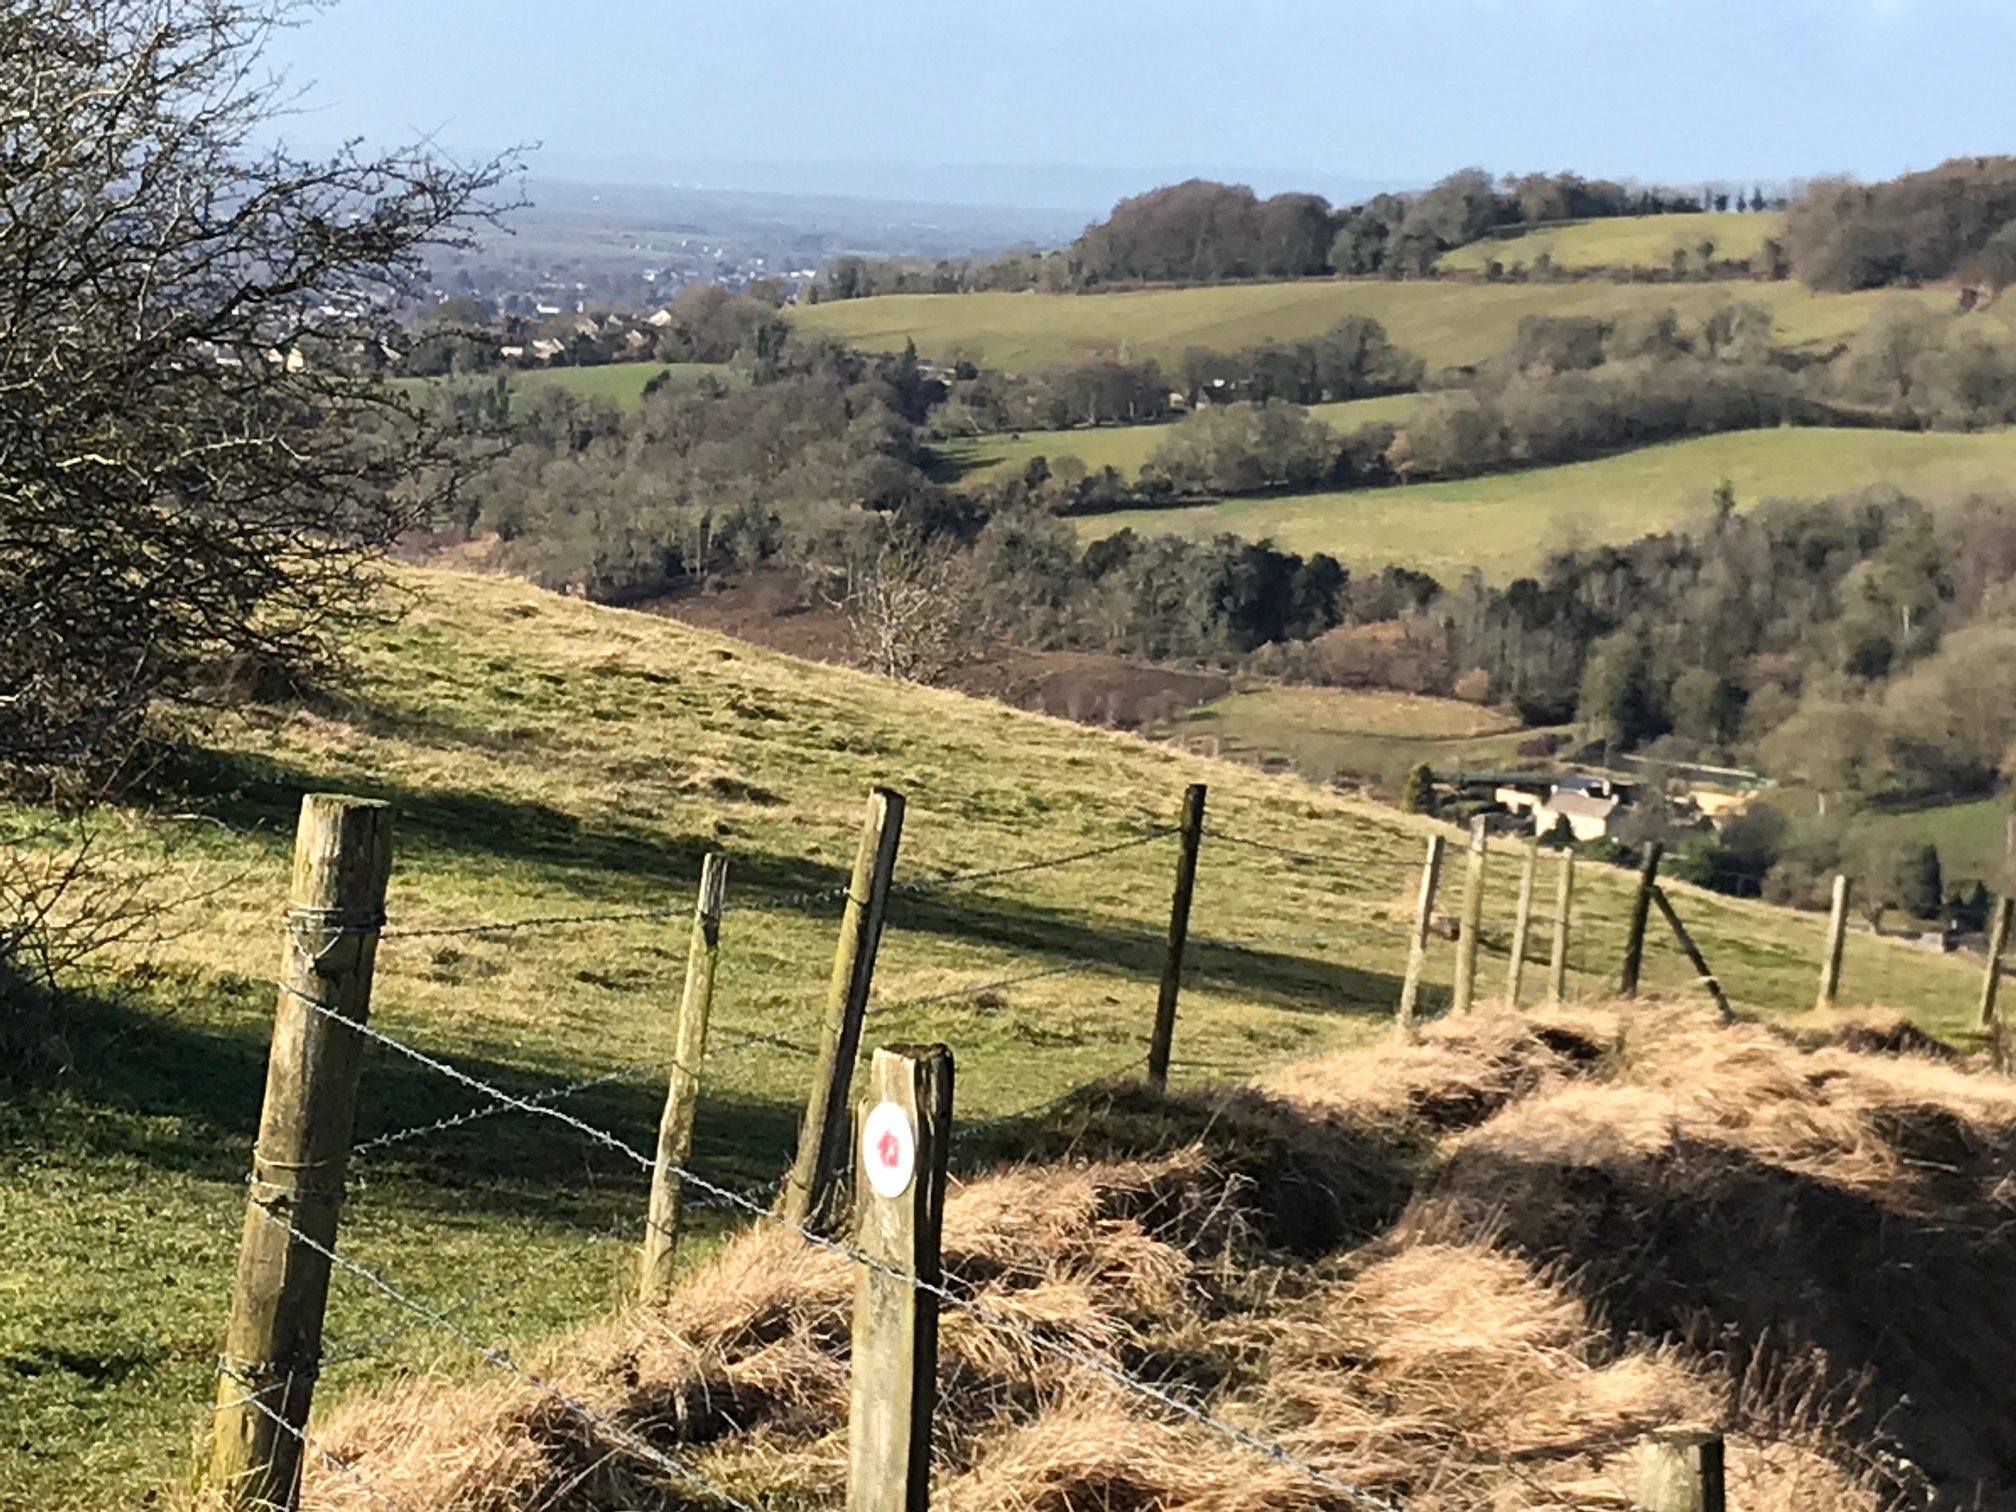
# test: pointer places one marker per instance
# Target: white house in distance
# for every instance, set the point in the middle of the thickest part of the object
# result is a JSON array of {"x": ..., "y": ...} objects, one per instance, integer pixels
[{"x": 1589, "y": 804}]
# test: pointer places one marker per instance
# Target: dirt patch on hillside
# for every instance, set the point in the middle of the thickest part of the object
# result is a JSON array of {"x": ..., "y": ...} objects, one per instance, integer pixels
[
  {"x": 782, "y": 611},
  {"x": 1464, "y": 1273}
]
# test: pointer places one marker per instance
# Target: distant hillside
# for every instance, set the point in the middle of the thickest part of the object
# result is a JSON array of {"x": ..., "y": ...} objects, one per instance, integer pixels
[
  {"x": 1447, "y": 323},
  {"x": 1126, "y": 447},
  {"x": 1505, "y": 524},
  {"x": 1645, "y": 243}
]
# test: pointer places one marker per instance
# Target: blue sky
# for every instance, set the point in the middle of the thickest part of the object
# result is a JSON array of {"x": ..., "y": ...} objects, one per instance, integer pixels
[{"x": 1087, "y": 94}]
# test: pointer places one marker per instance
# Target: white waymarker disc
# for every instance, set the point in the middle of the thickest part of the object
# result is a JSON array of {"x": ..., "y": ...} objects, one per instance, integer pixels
[{"x": 888, "y": 1150}]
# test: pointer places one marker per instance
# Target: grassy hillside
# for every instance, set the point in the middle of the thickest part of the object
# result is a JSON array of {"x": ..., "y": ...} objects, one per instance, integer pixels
[
  {"x": 621, "y": 383},
  {"x": 1506, "y": 523},
  {"x": 1127, "y": 447},
  {"x": 547, "y": 757},
  {"x": 1972, "y": 838},
  {"x": 1639, "y": 241},
  {"x": 1445, "y": 323},
  {"x": 1335, "y": 732}
]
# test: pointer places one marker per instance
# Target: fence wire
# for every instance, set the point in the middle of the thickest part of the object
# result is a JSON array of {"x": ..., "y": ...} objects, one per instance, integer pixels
[
  {"x": 1398, "y": 869},
  {"x": 684, "y": 910},
  {"x": 476, "y": 1114},
  {"x": 762, "y": 1214},
  {"x": 1047, "y": 863},
  {"x": 997, "y": 984},
  {"x": 336, "y": 1462},
  {"x": 491, "y": 1355}
]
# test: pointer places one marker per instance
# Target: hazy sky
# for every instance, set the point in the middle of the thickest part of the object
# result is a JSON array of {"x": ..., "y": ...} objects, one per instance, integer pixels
[{"x": 1103, "y": 92}]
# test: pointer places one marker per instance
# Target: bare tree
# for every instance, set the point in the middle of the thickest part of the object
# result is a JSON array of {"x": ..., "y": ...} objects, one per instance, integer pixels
[
  {"x": 914, "y": 611},
  {"x": 193, "y": 466},
  {"x": 197, "y": 470}
]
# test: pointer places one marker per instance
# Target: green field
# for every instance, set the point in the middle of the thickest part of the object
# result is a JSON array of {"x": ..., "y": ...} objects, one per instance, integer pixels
[
  {"x": 1971, "y": 838},
  {"x": 1335, "y": 733},
  {"x": 619, "y": 383},
  {"x": 547, "y": 757},
  {"x": 1638, "y": 241},
  {"x": 1505, "y": 524},
  {"x": 1446, "y": 323},
  {"x": 1127, "y": 447}
]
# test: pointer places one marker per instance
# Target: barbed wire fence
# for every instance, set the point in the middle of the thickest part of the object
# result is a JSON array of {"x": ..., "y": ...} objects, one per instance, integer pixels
[
  {"x": 275, "y": 1388},
  {"x": 619, "y": 1436}
]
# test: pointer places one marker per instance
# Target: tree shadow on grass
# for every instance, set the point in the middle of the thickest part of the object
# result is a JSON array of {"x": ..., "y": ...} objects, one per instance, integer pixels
[
  {"x": 262, "y": 795},
  {"x": 1278, "y": 974},
  {"x": 180, "y": 1096}
]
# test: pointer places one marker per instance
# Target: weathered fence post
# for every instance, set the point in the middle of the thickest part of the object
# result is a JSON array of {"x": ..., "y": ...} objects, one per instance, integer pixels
[
  {"x": 1641, "y": 912},
  {"x": 1998, "y": 942},
  {"x": 1417, "y": 942},
  {"x": 905, "y": 1133},
  {"x": 811, "y": 1188},
  {"x": 682, "y": 1088},
  {"x": 273, "y": 1343},
  {"x": 1682, "y": 1472},
  {"x": 1564, "y": 903},
  {"x": 1472, "y": 922},
  {"x": 1522, "y": 922},
  {"x": 1991, "y": 982},
  {"x": 1837, "y": 941},
  {"x": 1693, "y": 953},
  {"x": 1164, "y": 1040}
]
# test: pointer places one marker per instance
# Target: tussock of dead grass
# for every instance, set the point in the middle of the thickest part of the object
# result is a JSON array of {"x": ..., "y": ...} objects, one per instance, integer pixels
[{"x": 1621, "y": 1221}]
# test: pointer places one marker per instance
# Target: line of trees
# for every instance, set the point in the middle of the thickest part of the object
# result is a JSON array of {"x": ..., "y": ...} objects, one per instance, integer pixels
[
  {"x": 1355, "y": 359},
  {"x": 1201, "y": 231}
]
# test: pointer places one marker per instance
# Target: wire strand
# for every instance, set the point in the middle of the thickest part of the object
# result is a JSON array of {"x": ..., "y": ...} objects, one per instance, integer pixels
[
  {"x": 496, "y": 1357},
  {"x": 1203, "y": 1418},
  {"x": 974, "y": 989},
  {"x": 1048, "y": 863}
]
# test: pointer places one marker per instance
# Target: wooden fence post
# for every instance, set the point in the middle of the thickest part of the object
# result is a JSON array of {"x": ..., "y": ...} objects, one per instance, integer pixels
[
  {"x": 1641, "y": 912},
  {"x": 1682, "y": 1472},
  {"x": 1417, "y": 943},
  {"x": 810, "y": 1191},
  {"x": 1837, "y": 941},
  {"x": 1472, "y": 922},
  {"x": 273, "y": 1343},
  {"x": 682, "y": 1087},
  {"x": 1564, "y": 903},
  {"x": 1522, "y": 922},
  {"x": 1163, "y": 1042},
  {"x": 1998, "y": 942},
  {"x": 1693, "y": 953},
  {"x": 905, "y": 1134},
  {"x": 1991, "y": 982}
]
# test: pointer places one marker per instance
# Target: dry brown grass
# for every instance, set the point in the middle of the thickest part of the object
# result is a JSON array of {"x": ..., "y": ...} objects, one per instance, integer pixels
[{"x": 1620, "y": 1220}]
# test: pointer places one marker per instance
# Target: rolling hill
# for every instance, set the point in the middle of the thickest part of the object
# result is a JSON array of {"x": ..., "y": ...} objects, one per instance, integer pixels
[
  {"x": 548, "y": 760},
  {"x": 1351, "y": 735},
  {"x": 1126, "y": 447},
  {"x": 1633, "y": 243},
  {"x": 1446, "y": 322},
  {"x": 1506, "y": 523},
  {"x": 621, "y": 384}
]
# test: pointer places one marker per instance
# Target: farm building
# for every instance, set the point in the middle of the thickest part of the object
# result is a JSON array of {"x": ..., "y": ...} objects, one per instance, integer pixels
[
  {"x": 1589, "y": 804},
  {"x": 1588, "y": 814}
]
